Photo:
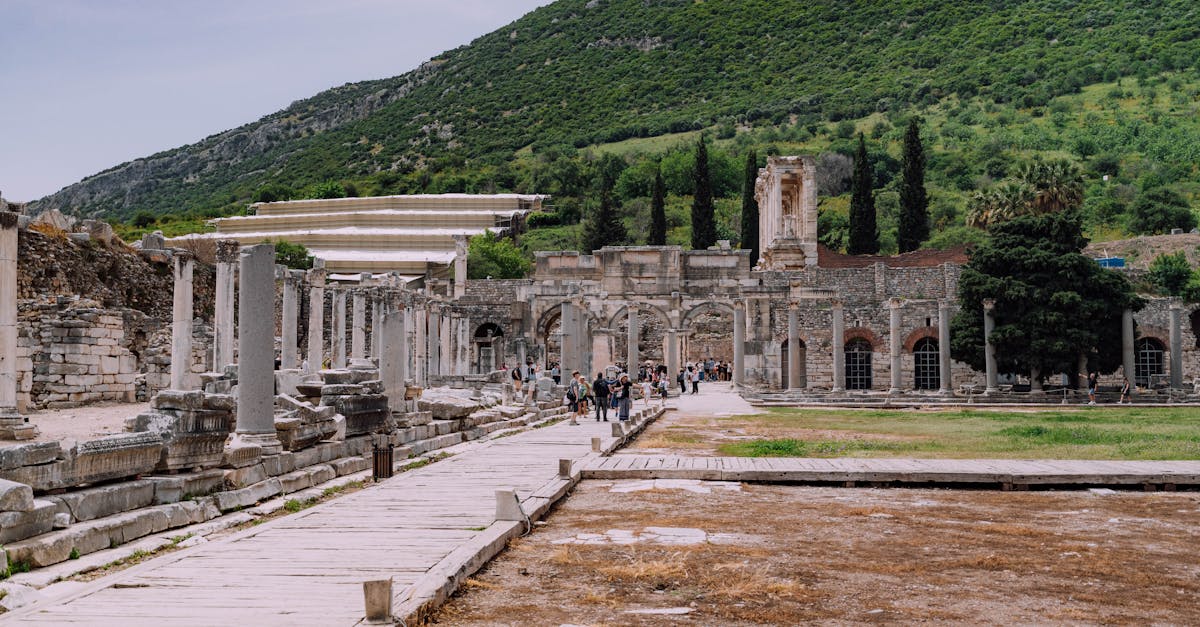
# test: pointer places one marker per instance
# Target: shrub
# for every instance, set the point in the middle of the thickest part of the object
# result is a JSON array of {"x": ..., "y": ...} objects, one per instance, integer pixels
[
  {"x": 294, "y": 256},
  {"x": 1159, "y": 210},
  {"x": 1171, "y": 273},
  {"x": 142, "y": 219}
]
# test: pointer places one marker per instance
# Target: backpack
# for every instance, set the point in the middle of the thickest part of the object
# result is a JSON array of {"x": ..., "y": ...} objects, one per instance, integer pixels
[
  {"x": 573, "y": 392},
  {"x": 516, "y": 374}
]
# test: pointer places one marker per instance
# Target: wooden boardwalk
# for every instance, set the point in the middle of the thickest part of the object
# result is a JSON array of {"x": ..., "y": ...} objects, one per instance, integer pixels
[
  {"x": 308, "y": 568},
  {"x": 1004, "y": 472}
]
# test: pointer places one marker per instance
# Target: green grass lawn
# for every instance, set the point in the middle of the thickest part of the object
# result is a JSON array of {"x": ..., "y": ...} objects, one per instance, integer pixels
[{"x": 1092, "y": 433}]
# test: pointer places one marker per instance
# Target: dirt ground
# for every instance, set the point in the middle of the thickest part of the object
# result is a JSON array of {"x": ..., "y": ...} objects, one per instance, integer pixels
[
  {"x": 740, "y": 554},
  {"x": 84, "y": 423}
]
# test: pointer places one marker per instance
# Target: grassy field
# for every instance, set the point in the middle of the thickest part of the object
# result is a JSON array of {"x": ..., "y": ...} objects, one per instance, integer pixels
[{"x": 1090, "y": 433}]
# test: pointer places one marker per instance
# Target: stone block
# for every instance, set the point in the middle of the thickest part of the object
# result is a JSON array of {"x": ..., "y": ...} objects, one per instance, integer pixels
[
  {"x": 341, "y": 389},
  {"x": 239, "y": 454},
  {"x": 37, "y": 520},
  {"x": 279, "y": 464},
  {"x": 447, "y": 407},
  {"x": 242, "y": 477},
  {"x": 320, "y": 473},
  {"x": 349, "y": 465},
  {"x": 185, "y": 486},
  {"x": 101, "y": 501},
  {"x": 115, "y": 457},
  {"x": 32, "y": 454},
  {"x": 295, "y": 481},
  {"x": 245, "y": 497},
  {"x": 15, "y": 497},
  {"x": 306, "y": 457}
]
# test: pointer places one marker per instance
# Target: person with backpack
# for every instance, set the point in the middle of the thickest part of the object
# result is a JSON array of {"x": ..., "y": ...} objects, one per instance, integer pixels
[
  {"x": 600, "y": 391},
  {"x": 574, "y": 390},
  {"x": 624, "y": 397},
  {"x": 681, "y": 380},
  {"x": 517, "y": 377}
]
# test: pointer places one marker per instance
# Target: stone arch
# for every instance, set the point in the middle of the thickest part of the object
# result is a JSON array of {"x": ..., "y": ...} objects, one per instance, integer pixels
[
  {"x": 487, "y": 347},
  {"x": 488, "y": 329},
  {"x": 910, "y": 342},
  {"x": 686, "y": 322},
  {"x": 546, "y": 324},
  {"x": 854, "y": 333},
  {"x": 621, "y": 313},
  {"x": 652, "y": 333},
  {"x": 1153, "y": 332}
]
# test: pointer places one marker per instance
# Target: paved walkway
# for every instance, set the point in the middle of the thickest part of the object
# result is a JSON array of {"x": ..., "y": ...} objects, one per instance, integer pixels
[{"x": 308, "y": 568}]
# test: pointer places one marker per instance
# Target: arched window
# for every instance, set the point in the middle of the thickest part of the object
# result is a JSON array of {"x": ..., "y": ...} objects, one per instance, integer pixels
[
  {"x": 926, "y": 365},
  {"x": 1148, "y": 361},
  {"x": 858, "y": 364}
]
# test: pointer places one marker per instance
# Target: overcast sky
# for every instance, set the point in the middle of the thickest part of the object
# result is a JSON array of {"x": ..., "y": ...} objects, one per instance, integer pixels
[{"x": 88, "y": 84}]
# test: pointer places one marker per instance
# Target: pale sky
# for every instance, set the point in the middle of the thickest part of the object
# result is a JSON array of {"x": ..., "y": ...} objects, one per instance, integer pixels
[{"x": 89, "y": 84}]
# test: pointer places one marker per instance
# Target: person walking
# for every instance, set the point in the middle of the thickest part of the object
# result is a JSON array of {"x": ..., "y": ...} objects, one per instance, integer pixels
[
  {"x": 680, "y": 379},
  {"x": 573, "y": 395},
  {"x": 1124, "y": 392},
  {"x": 1093, "y": 381},
  {"x": 600, "y": 391},
  {"x": 646, "y": 387},
  {"x": 585, "y": 395},
  {"x": 531, "y": 376},
  {"x": 624, "y": 397},
  {"x": 517, "y": 378},
  {"x": 696, "y": 376}
]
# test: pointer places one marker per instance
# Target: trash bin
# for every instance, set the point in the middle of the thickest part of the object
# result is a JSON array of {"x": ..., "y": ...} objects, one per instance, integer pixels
[{"x": 382, "y": 461}]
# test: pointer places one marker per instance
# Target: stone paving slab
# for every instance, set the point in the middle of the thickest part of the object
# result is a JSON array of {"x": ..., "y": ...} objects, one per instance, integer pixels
[{"x": 308, "y": 568}]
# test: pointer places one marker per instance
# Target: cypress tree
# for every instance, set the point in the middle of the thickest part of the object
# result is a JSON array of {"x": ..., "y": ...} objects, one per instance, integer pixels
[
  {"x": 604, "y": 227},
  {"x": 704, "y": 227},
  {"x": 864, "y": 236},
  {"x": 750, "y": 208},
  {"x": 658, "y": 212},
  {"x": 914, "y": 202}
]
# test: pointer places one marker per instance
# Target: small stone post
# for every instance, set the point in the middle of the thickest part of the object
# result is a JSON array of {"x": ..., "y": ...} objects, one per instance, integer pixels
[
  {"x": 946, "y": 384},
  {"x": 227, "y": 257},
  {"x": 839, "y": 347},
  {"x": 358, "y": 343},
  {"x": 256, "y": 349},
  {"x": 894, "y": 343},
  {"x": 181, "y": 322},
  {"x": 460, "y": 265},
  {"x": 632, "y": 349},
  {"x": 793, "y": 355},
  {"x": 13, "y": 426},
  {"x": 989, "y": 351},
  {"x": 316, "y": 317},
  {"x": 1127, "y": 347},
  {"x": 1175, "y": 339},
  {"x": 739, "y": 344},
  {"x": 290, "y": 323}
]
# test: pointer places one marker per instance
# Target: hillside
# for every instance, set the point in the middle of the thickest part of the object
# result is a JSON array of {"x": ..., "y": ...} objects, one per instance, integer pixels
[{"x": 583, "y": 72}]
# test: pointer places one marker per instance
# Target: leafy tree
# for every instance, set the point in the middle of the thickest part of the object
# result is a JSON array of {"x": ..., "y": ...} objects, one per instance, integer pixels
[
  {"x": 292, "y": 255},
  {"x": 143, "y": 219},
  {"x": 604, "y": 227},
  {"x": 864, "y": 235},
  {"x": 491, "y": 256},
  {"x": 749, "y": 234},
  {"x": 1002, "y": 202},
  {"x": 273, "y": 192},
  {"x": 1057, "y": 184},
  {"x": 1052, "y": 303},
  {"x": 1159, "y": 210},
  {"x": 1171, "y": 273},
  {"x": 704, "y": 226},
  {"x": 658, "y": 213},
  {"x": 914, "y": 202},
  {"x": 327, "y": 189}
]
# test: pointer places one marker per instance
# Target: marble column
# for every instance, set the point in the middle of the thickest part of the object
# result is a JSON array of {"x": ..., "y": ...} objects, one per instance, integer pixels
[
  {"x": 569, "y": 343},
  {"x": 632, "y": 355},
  {"x": 227, "y": 257},
  {"x": 433, "y": 336},
  {"x": 1127, "y": 357},
  {"x": 839, "y": 346},
  {"x": 462, "y": 350},
  {"x": 460, "y": 265},
  {"x": 376, "y": 322},
  {"x": 337, "y": 344},
  {"x": 290, "y": 322},
  {"x": 1176, "y": 342},
  {"x": 316, "y": 318},
  {"x": 358, "y": 340},
  {"x": 393, "y": 356},
  {"x": 445, "y": 349},
  {"x": 181, "y": 322},
  {"x": 739, "y": 344},
  {"x": 256, "y": 349},
  {"x": 989, "y": 351},
  {"x": 672, "y": 353},
  {"x": 583, "y": 340},
  {"x": 793, "y": 355},
  {"x": 421, "y": 345},
  {"x": 13, "y": 426},
  {"x": 946, "y": 383},
  {"x": 894, "y": 343}
]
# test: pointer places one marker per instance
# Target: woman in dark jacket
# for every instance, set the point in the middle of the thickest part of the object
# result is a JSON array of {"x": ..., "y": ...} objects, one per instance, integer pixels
[{"x": 600, "y": 391}]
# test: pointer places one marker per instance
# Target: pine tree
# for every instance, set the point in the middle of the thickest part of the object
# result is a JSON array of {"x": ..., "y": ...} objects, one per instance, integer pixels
[
  {"x": 864, "y": 236},
  {"x": 658, "y": 212},
  {"x": 604, "y": 228},
  {"x": 704, "y": 227},
  {"x": 914, "y": 202},
  {"x": 750, "y": 208}
]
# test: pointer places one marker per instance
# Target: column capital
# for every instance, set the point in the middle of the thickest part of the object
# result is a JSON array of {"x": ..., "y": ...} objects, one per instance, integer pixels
[
  {"x": 944, "y": 303},
  {"x": 895, "y": 302},
  {"x": 837, "y": 302},
  {"x": 989, "y": 304},
  {"x": 739, "y": 305},
  {"x": 793, "y": 305},
  {"x": 1175, "y": 305}
]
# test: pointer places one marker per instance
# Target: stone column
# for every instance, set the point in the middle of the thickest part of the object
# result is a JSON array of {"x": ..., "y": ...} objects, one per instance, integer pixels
[
  {"x": 227, "y": 257},
  {"x": 181, "y": 322},
  {"x": 290, "y": 317},
  {"x": 463, "y": 349},
  {"x": 337, "y": 344},
  {"x": 433, "y": 335},
  {"x": 256, "y": 349},
  {"x": 393, "y": 357},
  {"x": 839, "y": 346},
  {"x": 739, "y": 344},
  {"x": 316, "y": 318},
  {"x": 989, "y": 351},
  {"x": 631, "y": 357},
  {"x": 793, "y": 354},
  {"x": 895, "y": 346},
  {"x": 420, "y": 346},
  {"x": 1127, "y": 347},
  {"x": 569, "y": 343},
  {"x": 376, "y": 323},
  {"x": 672, "y": 353},
  {"x": 946, "y": 383},
  {"x": 358, "y": 326},
  {"x": 584, "y": 341},
  {"x": 460, "y": 265},
  {"x": 1176, "y": 341},
  {"x": 13, "y": 426},
  {"x": 446, "y": 353}
]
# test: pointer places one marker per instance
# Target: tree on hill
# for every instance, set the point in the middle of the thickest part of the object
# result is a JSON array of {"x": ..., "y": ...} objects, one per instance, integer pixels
[
  {"x": 1052, "y": 303},
  {"x": 491, "y": 256},
  {"x": 864, "y": 234},
  {"x": 658, "y": 212},
  {"x": 292, "y": 255},
  {"x": 1157, "y": 211},
  {"x": 604, "y": 227},
  {"x": 1171, "y": 272},
  {"x": 750, "y": 208},
  {"x": 1039, "y": 187},
  {"x": 704, "y": 225},
  {"x": 914, "y": 201}
]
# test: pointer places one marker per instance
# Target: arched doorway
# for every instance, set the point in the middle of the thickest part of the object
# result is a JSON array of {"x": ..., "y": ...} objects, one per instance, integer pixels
[
  {"x": 858, "y": 364},
  {"x": 487, "y": 341},
  {"x": 926, "y": 365},
  {"x": 785, "y": 363},
  {"x": 1148, "y": 361}
]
